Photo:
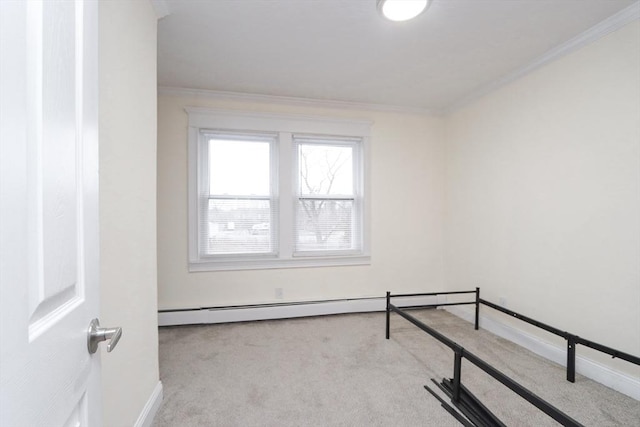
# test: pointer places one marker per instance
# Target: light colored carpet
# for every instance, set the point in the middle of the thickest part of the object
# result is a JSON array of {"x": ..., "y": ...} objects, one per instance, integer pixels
[{"x": 340, "y": 371}]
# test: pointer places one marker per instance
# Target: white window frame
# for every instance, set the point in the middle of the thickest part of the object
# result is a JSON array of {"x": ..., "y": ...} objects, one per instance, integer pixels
[{"x": 284, "y": 173}]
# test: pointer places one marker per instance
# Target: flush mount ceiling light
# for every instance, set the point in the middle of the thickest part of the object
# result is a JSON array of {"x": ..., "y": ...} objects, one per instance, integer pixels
[{"x": 402, "y": 10}]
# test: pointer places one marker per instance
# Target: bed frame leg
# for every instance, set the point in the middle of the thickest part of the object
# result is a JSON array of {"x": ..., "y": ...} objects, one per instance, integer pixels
[
  {"x": 457, "y": 372},
  {"x": 571, "y": 358},
  {"x": 388, "y": 312},
  {"x": 477, "y": 308}
]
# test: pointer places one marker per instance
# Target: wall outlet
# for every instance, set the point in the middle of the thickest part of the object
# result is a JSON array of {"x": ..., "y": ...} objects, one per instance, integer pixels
[
  {"x": 502, "y": 301},
  {"x": 279, "y": 293}
]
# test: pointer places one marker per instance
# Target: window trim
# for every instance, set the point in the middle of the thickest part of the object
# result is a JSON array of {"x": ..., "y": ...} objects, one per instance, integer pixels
[{"x": 201, "y": 119}]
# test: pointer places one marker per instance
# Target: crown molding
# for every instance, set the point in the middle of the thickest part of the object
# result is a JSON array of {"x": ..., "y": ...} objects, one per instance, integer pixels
[
  {"x": 289, "y": 100},
  {"x": 609, "y": 25}
]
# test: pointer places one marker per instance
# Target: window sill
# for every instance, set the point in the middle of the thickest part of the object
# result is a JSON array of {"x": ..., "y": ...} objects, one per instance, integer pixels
[{"x": 261, "y": 264}]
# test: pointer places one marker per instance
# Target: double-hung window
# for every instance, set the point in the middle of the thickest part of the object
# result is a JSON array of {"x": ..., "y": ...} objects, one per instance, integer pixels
[
  {"x": 237, "y": 204},
  {"x": 275, "y": 191},
  {"x": 328, "y": 199}
]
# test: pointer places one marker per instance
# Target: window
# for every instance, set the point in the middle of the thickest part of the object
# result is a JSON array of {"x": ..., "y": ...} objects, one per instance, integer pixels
[
  {"x": 328, "y": 204},
  {"x": 238, "y": 205},
  {"x": 288, "y": 192}
]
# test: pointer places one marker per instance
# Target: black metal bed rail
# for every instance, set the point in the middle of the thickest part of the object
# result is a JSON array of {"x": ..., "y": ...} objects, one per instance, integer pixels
[
  {"x": 572, "y": 340},
  {"x": 475, "y": 302},
  {"x": 460, "y": 353},
  {"x": 431, "y": 294},
  {"x": 470, "y": 406},
  {"x": 464, "y": 421}
]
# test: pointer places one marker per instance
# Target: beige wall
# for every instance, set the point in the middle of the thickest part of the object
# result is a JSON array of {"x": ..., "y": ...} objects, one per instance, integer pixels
[
  {"x": 406, "y": 169},
  {"x": 128, "y": 206},
  {"x": 543, "y": 194}
]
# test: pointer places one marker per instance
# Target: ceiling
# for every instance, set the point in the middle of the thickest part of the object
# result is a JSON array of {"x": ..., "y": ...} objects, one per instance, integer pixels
[{"x": 343, "y": 50}]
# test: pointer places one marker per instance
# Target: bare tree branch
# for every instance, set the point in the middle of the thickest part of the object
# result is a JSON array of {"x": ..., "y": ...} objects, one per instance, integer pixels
[{"x": 315, "y": 209}]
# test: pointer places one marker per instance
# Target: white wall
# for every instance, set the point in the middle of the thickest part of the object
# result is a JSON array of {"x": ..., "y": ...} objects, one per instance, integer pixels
[
  {"x": 407, "y": 159},
  {"x": 543, "y": 194},
  {"x": 128, "y": 272}
]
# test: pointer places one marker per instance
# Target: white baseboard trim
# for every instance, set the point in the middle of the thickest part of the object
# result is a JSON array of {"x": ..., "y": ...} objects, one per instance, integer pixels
[
  {"x": 145, "y": 419},
  {"x": 611, "y": 378},
  {"x": 284, "y": 311}
]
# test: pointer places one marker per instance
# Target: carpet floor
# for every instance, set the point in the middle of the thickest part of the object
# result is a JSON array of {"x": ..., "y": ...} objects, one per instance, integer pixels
[{"x": 340, "y": 371}]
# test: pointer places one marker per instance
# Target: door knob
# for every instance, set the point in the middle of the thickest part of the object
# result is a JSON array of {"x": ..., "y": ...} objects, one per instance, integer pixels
[{"x": 96, "y": 335}]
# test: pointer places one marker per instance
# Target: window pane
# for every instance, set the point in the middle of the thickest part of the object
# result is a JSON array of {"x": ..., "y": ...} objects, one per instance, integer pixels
[
  {"x": 239, "y": 168},
  {"x": 325, "y": 225},
  {"x": 238, "y": 227},
  {"x": 325, "y": 169}
]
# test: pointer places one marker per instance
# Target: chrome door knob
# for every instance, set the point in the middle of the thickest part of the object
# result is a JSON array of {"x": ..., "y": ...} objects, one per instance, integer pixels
[{"x": 96, "y": 334}]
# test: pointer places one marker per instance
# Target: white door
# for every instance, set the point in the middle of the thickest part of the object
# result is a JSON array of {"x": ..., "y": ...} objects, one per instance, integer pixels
[{"x": 48, "y": 213}]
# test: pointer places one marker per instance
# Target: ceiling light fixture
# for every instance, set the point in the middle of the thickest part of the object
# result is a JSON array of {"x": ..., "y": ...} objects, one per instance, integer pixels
[{"x": 402, "y": 10}]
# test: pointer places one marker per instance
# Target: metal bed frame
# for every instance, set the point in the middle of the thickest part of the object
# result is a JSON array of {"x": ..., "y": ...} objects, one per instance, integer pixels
[{"x": 476, "y": 413}]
